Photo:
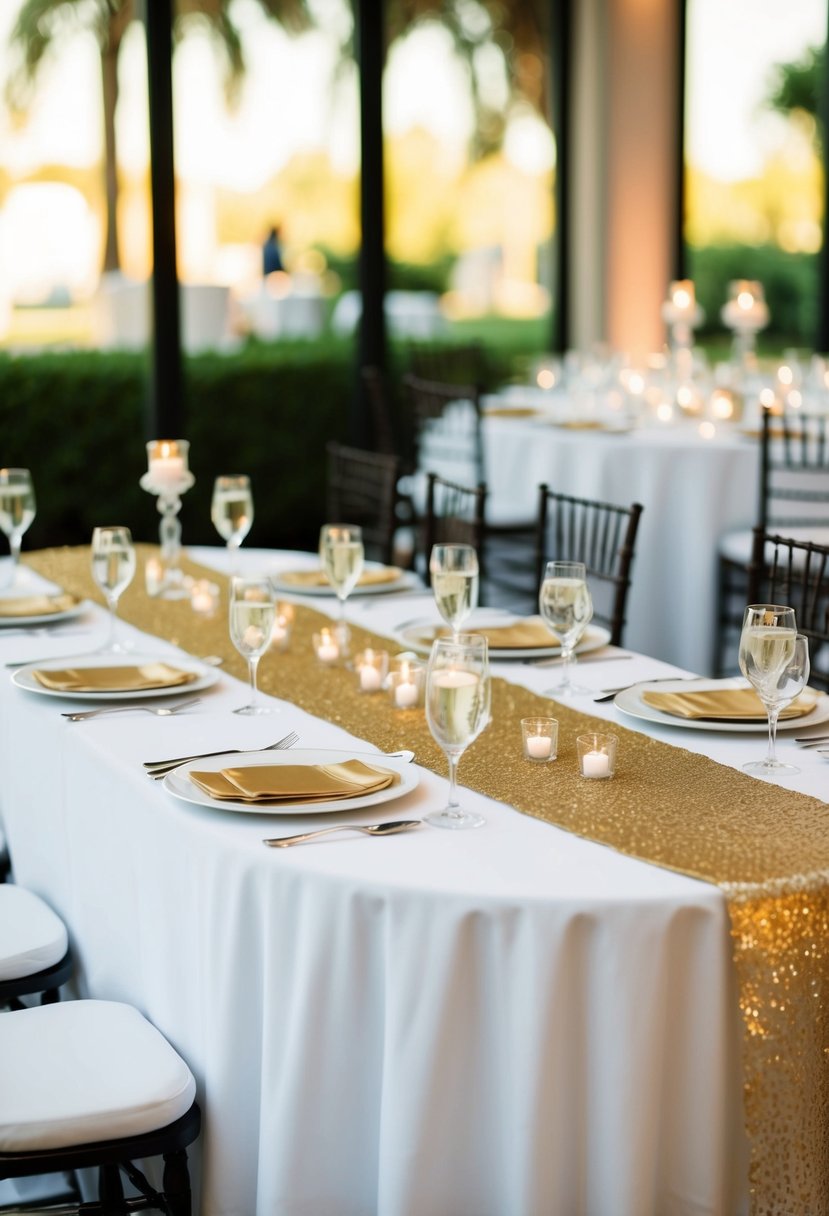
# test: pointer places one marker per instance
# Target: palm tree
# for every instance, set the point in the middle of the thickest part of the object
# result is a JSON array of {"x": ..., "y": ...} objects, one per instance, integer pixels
[{"x": 41, "y": 23}]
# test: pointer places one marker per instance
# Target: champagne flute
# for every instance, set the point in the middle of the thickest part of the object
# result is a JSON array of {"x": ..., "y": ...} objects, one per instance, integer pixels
[
  {"x": 768, "y": 647},
  {"x": 252, "y": 612},
  {"x": 457, "y": 710},
  {"x": 453, "y": 571},
  {"x": 231, "y": 510},
  {"x": 113, "y": 569},
  {"x": 567, "y": 607},
  {"x": 342, "y": 555},
  {"x": 17, "y": 510}
]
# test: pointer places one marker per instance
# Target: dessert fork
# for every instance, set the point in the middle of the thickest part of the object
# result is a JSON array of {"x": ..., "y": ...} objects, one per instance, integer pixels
[
  {"x": 160, "y": 768},
  {"x": 162, "y": 711}
]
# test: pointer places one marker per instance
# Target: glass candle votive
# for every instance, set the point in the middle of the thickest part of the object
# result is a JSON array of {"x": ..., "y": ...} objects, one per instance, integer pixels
[
  {"x": 540, "y": 737},
  {"x": 153, "y": 575},
  {"x": 281, "y": 631},
  {"x": 597, "y": 755},
  {"x": 326, "y": 647},
  {"x": 204, "y": 597},
  {"x": 372, "y": 668},
  {"x": 405, "y": 681},
  {"x": 167, "y": 463}
]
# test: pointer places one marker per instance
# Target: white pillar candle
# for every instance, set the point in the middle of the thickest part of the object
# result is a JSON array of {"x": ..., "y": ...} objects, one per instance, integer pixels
[
  {"x": 405, "y": 695},
  {"x": 370, "y": 680},
  {"x": 595, "y": 764}
]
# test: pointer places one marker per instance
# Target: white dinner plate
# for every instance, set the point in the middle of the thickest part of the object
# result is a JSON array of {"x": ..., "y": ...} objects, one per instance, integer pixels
[
  {"x": 404, "y": 581},
  {"x": 179, "y": 784},
  {"x": 42, "y": 618},
  {"x": 205, "y": 676},
  {"x": 417, "y": 635},
  {"x": 630, "y": 702}
]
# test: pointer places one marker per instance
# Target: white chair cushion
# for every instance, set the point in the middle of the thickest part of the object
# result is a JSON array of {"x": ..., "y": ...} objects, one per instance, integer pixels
[
  {"x": 81, "y": 1071},
  {"x": 736, "y": 546},
  {"x": 32, "y": 937}
]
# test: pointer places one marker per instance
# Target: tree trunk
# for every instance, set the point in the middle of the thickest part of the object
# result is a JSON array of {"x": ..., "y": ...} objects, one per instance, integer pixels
[{"x": 109, "y": 79}]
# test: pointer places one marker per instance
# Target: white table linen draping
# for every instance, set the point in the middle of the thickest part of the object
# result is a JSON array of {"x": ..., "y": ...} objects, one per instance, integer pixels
[
  {"x": 693, "y": 490},
  {"x": 505, "y": 1021}
]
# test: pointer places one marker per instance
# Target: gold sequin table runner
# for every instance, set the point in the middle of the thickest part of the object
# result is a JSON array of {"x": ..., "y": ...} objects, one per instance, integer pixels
[{"x": 767, "y": 848}]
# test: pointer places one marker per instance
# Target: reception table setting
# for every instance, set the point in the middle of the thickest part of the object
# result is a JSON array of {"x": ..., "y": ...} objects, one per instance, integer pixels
[{"x": 601, "y": 990}]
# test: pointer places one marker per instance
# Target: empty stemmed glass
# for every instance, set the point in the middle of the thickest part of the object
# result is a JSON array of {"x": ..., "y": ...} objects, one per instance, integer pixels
[
  {"x": 457, "y": 710},
  {"x": 17, "y": 510},
  {"x": 566, "y": 605},
  {"x": 341, "y": 554},
  {"x": 113, "y": 569},
  {"x": 231, "y": 510},
  {"x": 252, "y": 612},
  {"x": 453, "y": 570},
  {"x": 774, "y": 659}
]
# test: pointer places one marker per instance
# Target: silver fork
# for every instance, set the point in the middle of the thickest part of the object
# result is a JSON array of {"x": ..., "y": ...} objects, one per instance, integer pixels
[
  {"x": 813, "y": 740},
  {"x": 163, "y": 711},
  {"x": 160, "y": 768}
]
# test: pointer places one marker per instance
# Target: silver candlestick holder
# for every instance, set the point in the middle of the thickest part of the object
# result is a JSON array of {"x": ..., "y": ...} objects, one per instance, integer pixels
[{"x": 168, "y": 477}]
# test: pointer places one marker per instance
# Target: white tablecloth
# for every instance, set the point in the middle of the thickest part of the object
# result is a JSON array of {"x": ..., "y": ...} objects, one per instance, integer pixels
[
  {"x": 692, "y": 489},
  {"x": 504, "y": 1021}
]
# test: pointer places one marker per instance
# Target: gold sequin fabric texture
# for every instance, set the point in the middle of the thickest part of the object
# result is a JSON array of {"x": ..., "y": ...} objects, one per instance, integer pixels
[{"x": 766, "y": 848}]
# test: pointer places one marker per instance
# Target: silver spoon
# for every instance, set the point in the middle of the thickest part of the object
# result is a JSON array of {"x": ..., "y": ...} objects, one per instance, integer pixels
[{"x": 370, "y": 829}]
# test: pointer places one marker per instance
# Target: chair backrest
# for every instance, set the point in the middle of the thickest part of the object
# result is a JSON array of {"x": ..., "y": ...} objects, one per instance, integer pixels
[
  {"x": 446, "y": 424},
  {"x": 361, "y": 488},
  {"x": 454, "y": 514},
  {"x": 448, "y": 364},
  {"x": 794, "y": 471},
  {"x": 784, "y": 570},
  {"x": 600, "y": 534}
]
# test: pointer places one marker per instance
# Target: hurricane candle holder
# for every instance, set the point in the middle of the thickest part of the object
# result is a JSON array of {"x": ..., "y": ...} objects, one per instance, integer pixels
[
  {"x": 371, "y": 667},
  {"x": 168, "y": 477},
  {"x": 745, "y": 314}
]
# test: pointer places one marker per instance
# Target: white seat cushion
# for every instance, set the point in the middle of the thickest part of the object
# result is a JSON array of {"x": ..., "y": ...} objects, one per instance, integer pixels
[
  {"x": 32, "y": 937},
  {"x": 736, "y": 546},
  {"x": 81, "y": 1071}
]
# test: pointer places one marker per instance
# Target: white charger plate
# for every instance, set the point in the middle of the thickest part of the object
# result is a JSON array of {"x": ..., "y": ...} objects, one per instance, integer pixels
[
  {"x": 205, "y": 676},
  {"x": 41, "y": 618},
  {"x": 630, "y": 702},
  {"x": 403, "y": 582},
  {"x": 179, "y": 784},
  {"x": 412, "y": 633}
]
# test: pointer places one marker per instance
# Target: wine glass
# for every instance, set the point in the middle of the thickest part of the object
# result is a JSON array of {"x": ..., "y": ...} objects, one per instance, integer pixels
[
  {"x": 231, "y": 510},
  {"x": 567, "y": 607},
  {"x": 113, "y": 569},
  {"x": 453, "y": 570},
  {"x": 457, "y": 710},
  {"x": 776, "y": 664},
  {"x": 17, "y": 510},
  {"x": 342, "y": 555},
  {"x": 252, "y": 612}
]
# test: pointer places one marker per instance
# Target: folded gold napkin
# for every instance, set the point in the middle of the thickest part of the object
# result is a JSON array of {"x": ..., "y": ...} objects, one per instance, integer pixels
[
  {"x": 529, "y": 634},
  {"x": 520, "y": 411},
  {"x": 295, "y": 782},
  {"x": 37, "y": 605},
  {"x": 114, "y": 679},
  {"x": 728, "y": 704},
  {"x": 374, "y": 577}
]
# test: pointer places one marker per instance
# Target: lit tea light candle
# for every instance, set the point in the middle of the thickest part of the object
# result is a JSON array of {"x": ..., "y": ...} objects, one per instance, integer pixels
[
  {"x": 707, "y": 430},
  {"x": 597, "y": 755},
  {"x": 371, "y": 667},
  {"x": 153, "y": 575},
  {"x": 204, "y": 597},
  {"x": 546, "y": 378},
  {"x": 595, "y": 764},
  {"x": 539, "y": 747},
  {"x": 325, "y": 645},
  {"x": 722, "y": 404},
  {"x": 167, "y": 462},
  {"x": 683, "y": 297},
  {"x": 540, "y": 736},
  {"x": 281, "y": 632},
  {"x": 405, "y": 682}
]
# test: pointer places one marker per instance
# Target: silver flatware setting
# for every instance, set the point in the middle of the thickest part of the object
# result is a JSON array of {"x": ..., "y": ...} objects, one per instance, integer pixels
[
  {"x": 607, "y": 694},
  {"x": 812, "y": 741},
  {"x": 161, "y": 711},
  {"x": 370, "y": 829},
  {"x": 160, "y": 768}
]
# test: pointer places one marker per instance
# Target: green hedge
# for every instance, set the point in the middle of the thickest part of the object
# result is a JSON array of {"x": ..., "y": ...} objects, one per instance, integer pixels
[
  {"x": 790, "y": 282},
  {"x": 77, "y": 420}
]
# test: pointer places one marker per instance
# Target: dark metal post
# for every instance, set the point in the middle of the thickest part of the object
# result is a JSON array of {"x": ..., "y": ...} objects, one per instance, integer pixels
[
  {"x": 561, "y": 38},
  {"x": 679, "y": 255},
  {"x": 165, "y": 414},
  {"x": 370, "y": 41},
  {"x": 822, "y": 336}
]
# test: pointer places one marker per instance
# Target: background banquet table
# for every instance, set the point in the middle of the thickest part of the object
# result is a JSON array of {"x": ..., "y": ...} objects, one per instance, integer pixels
[
  {"x": 508, "y": 1020},
  {"x": 693, "y": 489}
]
